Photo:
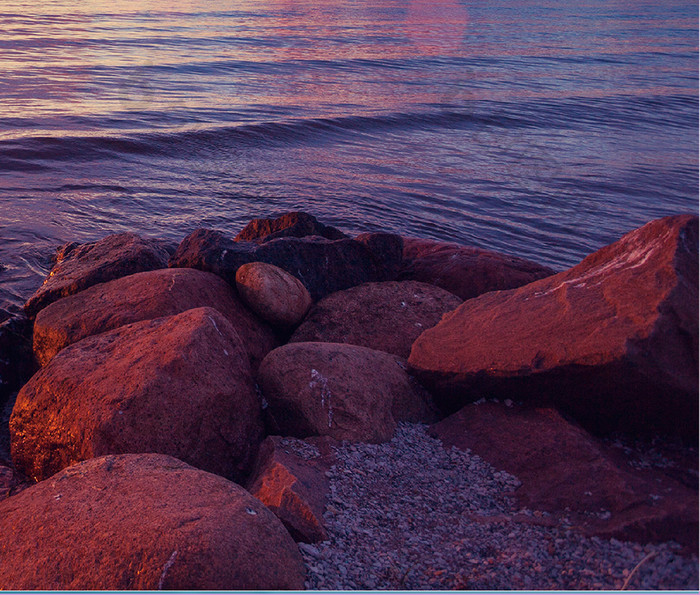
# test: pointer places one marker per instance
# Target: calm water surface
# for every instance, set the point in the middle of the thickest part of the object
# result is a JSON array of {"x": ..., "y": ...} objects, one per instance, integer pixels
[{"x": 540, "y": 128}]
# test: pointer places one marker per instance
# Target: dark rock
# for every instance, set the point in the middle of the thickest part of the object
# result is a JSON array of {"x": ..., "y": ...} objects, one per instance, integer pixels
[
  {"x": 16, "y": 361},
  {"x": 464, "y": 270},
  {"x": 289, "y": 477},
  {"x": 143, "y": 522},
  {"x": 273, "y": 294},
  {"x": 323, "y": 266},
  {"x": 295, "y": 224},
  {"x": 346, "y": 392},
  {"x": 612, "y": 341},
  {"x": 386, "y": 316},
  {"x": 564, "y": 470},
  {"x": 387, "y": 253},
  {"x": 80, "y": 266},
  {"x": 179, "y": 385},
  {"x": 144, "y": 296}
]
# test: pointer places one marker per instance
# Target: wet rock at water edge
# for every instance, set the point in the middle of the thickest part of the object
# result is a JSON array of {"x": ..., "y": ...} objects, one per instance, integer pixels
[
  {"x": 466, "y": 271},
  {"x": 79, "y": 266}
]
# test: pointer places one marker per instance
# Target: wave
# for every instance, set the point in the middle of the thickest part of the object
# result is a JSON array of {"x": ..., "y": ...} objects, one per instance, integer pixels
[{"x": 37, "y": 152}]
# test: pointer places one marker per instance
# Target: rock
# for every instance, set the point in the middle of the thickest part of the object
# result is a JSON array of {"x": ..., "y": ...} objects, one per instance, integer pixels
[
  {"x": 387, "y": 253},
  {"x": 16, "y": 361},
  {"x": 179, "y": 385},
  {"x": 323, "y": 266},
  {"x": 564, "y": 470},
  {"x": 80, "y": 266},
  {"x": 386, "y": 316},
  {"x": 342, "y": 391},
  {"x": 612, "y": 341},
  {"x": 295, "y": 224},
  {"x": 143, "y": 522},
  {"x": 273, "y": 294},
  {"x": 289, "y": 477},
  {"x": 464, "y": 270},
  {"x": 8, "y": 481},
  {"x": 144, "y": 296}
]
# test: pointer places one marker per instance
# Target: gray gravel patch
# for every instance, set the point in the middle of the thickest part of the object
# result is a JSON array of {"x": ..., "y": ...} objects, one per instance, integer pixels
[{"x": 410, "y": 514}]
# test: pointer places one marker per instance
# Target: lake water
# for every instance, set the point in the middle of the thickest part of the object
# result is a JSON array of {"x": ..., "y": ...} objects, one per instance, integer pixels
[{"x": 540, "y": 128}]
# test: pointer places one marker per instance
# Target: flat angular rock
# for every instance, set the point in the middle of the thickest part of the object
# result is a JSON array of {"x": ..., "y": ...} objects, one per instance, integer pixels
[
  {"x": 144, "y": 296},
  {"x": 16, "y": 362},
  {"x": 294, "y": 224},
  {"x": 346, "y": 392},
  {"x": 289, "y": 477},
  {"x": 142, "y": 522},
  {"x": 612, "y": 341},
  {"x": 386, "y": 316},
  {"x": 322, "y": 265},
  {"x": 273, "y": 294},
  {"x": 565, "y": 470},
  {"x": 80, "y": 266},
  {"x": 466, "y": 271},
  {"x": 179, "y": 385}
]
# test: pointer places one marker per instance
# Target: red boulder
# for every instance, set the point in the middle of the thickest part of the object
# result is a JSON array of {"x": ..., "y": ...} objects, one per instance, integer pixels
[
  {"x": 179, "y": 385},
  {"x": 346, "y": 392},
  {"x": 464, "y": 270},
  {"x": 612, "y": 341},
  {"x": 144, "y": 296},
  {"x": 289, "y": 477},
  {"x": 295, "y": 224},
  {"x": 385, "y": 316},
  {"x": 142, "y": 522},
  {"x": 566, "y": 471}
]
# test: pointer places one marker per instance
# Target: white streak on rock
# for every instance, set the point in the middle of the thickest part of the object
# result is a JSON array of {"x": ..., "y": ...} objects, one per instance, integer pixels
[
  {"x": 317, "y": 379},
  {"x": 168, "y": 566}
]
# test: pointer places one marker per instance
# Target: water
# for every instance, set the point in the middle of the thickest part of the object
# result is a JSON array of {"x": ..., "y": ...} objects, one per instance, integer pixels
[{"x": 539, "y": 128}]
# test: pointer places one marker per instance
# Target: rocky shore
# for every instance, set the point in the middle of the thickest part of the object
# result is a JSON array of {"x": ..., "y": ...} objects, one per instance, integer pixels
[{"x": 293, "y": 408}]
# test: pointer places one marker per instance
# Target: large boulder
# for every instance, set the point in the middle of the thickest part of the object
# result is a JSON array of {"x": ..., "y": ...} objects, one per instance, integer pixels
[
  {"x": 143, "y": 296},
  {"x": 612, "y": 341},
  {"x": 346, "y": 392},
  {"x": 564, "y": 470},
  {"x": 179, "y": 385},
  {"x": 80, "y": 266},
  {"x": 295, "y": 224},
  {"x": 273, "y": 294},
  {"x": 16, "y": 362},
  {"x": 322, "y": 265},
  {"x": 466, "y": 271},
  {"x": 142, "y": 522},
  {"x": 386, "y": 316},
  {"x": 289, "y": 477}
]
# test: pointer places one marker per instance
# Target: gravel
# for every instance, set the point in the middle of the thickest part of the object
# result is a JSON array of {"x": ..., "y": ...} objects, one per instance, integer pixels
[{"x": 410, "y": 514}]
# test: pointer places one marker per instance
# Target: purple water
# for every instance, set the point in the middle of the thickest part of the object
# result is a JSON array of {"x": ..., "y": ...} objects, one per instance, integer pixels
[{"x": 542, "y": 128}]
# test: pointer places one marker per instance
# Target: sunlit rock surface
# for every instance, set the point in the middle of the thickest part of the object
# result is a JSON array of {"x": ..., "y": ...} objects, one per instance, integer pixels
[
  {"x": 613, "y": 341},
  {"x": 179, "y": 385},
  {"x": 143, "y": 522},
  {"x": 144, "y": 296}
]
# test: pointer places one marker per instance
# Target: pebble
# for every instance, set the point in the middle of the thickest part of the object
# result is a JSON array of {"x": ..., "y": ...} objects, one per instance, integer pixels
[{"x": 387, "y": 532}]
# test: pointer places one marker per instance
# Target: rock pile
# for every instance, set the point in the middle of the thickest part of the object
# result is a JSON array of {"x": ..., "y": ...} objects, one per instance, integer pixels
[{"x": 169, "y": 378}]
